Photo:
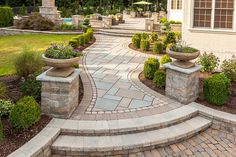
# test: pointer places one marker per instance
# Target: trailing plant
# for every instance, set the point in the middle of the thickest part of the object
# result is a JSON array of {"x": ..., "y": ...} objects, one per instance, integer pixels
[
  {"x": 61, "y": 51},
  {"x": 35, "y": 21},
  {"x": 28, "y": 62},
  {"x": 150, "y": 67},
  {"x": 209, "y": 62},
  {"x": 145, "y": 44},
  {"x": 158, "y": 47},
  {"x": 229, "y": 69},
  {"x": 216, "y": 89},
  {"x": 165, "y": 59},
  {"x": 6, "y": 16},
  {"x": 159, "y": 78},
  {"x": 25, "y": 113},
  {"x": 5, "y": 107}
]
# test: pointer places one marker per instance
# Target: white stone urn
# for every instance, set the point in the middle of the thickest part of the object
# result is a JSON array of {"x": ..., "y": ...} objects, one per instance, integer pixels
[{"x": 61, "y": 67}]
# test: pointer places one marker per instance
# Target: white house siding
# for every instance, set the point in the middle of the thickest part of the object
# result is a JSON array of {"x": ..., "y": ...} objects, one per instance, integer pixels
[
  {"x": 176, "y": 15},
  {"x": 206, "y": 40}
]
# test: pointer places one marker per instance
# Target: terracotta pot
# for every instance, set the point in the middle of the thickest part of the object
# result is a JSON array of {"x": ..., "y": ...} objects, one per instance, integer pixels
[
  {"x": 61, "y": 67},
  {"x": 183, "y": 59}
]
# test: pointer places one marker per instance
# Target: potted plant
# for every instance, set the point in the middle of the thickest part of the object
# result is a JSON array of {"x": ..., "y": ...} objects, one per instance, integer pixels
[
  {"x": 183, "y": 55},
  {"x": 62, "y": 58}
]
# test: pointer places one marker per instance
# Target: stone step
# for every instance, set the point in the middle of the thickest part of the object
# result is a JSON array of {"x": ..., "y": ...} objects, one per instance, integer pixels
[
  {"x": 128, "y": 143},
  {"x": 125, "y": 126}
]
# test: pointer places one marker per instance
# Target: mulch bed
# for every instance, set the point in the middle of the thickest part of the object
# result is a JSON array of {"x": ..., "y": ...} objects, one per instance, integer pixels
[
  {"x": 14, "y": 139},
  {"x": 229, "y": 106},
  {"x": 146, "y": 52}
]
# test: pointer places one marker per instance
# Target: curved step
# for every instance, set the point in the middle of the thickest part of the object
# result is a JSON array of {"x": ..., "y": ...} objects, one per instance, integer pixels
[
  {"x": 128, "y": 143},
  {"x": 125, "y": 126}
]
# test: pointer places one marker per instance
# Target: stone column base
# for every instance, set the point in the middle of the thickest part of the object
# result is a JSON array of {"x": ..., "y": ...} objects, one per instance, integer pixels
[
  {"x": 59, "y": 96},
  {"x": 182, "y": 84}
]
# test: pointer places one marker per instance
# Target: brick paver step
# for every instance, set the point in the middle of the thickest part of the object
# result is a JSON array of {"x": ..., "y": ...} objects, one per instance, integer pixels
[
  {"x": 127, "y": 143},
  {"x": 125, "y": 126}
]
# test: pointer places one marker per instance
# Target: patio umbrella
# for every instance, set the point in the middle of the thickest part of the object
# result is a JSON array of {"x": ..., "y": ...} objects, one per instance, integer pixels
[{"x": 142, "y": 3}]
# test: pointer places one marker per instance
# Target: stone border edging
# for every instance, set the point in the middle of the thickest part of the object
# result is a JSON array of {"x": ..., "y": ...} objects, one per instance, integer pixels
[{"x": 13, "y": 31}]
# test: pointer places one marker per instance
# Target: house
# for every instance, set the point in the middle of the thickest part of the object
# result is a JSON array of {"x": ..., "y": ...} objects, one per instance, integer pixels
[
  {"x": 174, "y": 10},
  {"x": 209, "y": 25}
]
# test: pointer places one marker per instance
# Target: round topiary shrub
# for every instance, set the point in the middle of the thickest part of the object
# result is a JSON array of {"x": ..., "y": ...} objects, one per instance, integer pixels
[
  {"x": 165, "y": 59},
  {"x": 216, "y": 89},
  {"x": 158, "y": 47},
  {"x": 159, "y": 78},
  {"x": 136, "y": 41},
  {"x": 150, "y": 67},
  {"x": 25, "y": 113},
  {"x": 144, "y": 45},
  {"x": 1, "y": 131},
  {"x": 170, "y": 38}
]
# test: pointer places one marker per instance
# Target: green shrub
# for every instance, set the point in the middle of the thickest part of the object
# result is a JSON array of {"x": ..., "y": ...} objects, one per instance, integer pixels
[
  {"x": 74, "y": 42},
  {"x": 32, "y": 87},
  {"x": 66, "y": 26},
  {"x": 144, "y": 36},
  {"x": 229, "y": 69},
  {"x": 5, "y": 107},
  {"x": 144, "y": 44},
  {"x": 86, "y": 38},
  {"x": 209, "y": 62},
  {"x": 25, "y": 113},
  {"x": 28, "y": 62},
  {"x": 136, "y": 41},
  {"x": 163, "y": 20},
  {"x": 150, "y": 67},
  {"x": 6, "y": 16},
  {"x": 1, "y": 131},
  {"x": 170, "y": 38},
  {"x": 154, "y": 36},
  {"x": 86, "y": 22},
  {"x": 23, "y": 10},
  {"x": 35, "y": 21},
  {"x": 90, "y": 32},
  {"x": 158, "y": 47},
  {"x": 216, "y": 89},
  {"x": 139, "y": 35},
  {"x": 3, "y": 90},
  {"x": 159, "y": 78},
  {"x": 81, "y": 40},
  {"x": 165, "y": 59}
]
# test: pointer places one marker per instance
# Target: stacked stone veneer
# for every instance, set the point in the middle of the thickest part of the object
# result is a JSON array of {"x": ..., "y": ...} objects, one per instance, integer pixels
[
  {"x": 49, "y": 10},
  {"x": 59, "y": 96},
  {"x": 182, "y": 84}
]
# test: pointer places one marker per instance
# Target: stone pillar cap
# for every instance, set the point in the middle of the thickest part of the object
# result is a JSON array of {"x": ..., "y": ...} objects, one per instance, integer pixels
[{"x": 186, "y": 71}]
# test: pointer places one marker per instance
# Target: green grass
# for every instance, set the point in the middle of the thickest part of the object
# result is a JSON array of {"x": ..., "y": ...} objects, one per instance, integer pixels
[{"x": 10, "y": 46}]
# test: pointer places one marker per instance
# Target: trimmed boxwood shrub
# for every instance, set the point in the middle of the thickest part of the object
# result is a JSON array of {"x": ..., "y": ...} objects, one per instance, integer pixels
[
  {"x": 154, "y": 36},
  {"x": 1, "y": 131},
  {"x": 86, "y": 38},
  {"x": 165, "y": 59},
  {"x": 145, "y": 36},
  {"x": 90, "y": 33},
  {"x": 144, "y": 45},
  {"x": 136, "y": 41},
  {"x": 216, "y": 89},
  {"x": 170, "y": 38},
  {"x": 150, "y": 67},
  {"x": 25, "y": 113},
  {"x": 6, "y": 16},
  {"x": 81, "y": 40},
  {"x": 159, "y": 78},
  {"x": 74, "y": 42},
  {"x": 158, "y": 47}
]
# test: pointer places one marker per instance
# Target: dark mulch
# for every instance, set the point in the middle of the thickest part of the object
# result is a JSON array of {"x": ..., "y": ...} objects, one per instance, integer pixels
[
  {"x": 14, "y": 139},
  {"x": 229, "y": 106},
  {"x": 146, "y": 52}
]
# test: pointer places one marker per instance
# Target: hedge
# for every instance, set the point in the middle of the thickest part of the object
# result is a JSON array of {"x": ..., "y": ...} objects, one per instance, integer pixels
[{"x": 6, "y": 16}]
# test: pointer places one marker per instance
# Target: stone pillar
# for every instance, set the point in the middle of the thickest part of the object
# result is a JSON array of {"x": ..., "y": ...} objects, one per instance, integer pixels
[
  {"x": 182, "y": 84},
  {"x": 132, "y": 14},
  {"x": 77, "y": 19},
  {"x": 149, "y": 23},
  {"x": 107, "y": 21},
  {"x": 155, "y": 17},
  {"x": 49, "y": 10},
  {"x": 59, "y": 96}
]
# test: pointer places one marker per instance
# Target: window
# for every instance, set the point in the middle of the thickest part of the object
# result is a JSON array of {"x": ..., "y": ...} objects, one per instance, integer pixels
[
  {"x": 224, "y": 13},
  {"x": 176, "y": 4},
  {"x": 221, "y": 16},
  {"x": 202, "y": 13}
]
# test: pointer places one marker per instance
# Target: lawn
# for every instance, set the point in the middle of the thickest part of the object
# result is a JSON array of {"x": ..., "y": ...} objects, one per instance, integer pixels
[{"x": 10, "y": 46}]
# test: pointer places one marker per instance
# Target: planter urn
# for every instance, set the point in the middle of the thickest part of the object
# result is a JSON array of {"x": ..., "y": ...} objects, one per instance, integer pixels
[
  {"x": 61, "y": 67},
  {"x": 183, "y": 60}
]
